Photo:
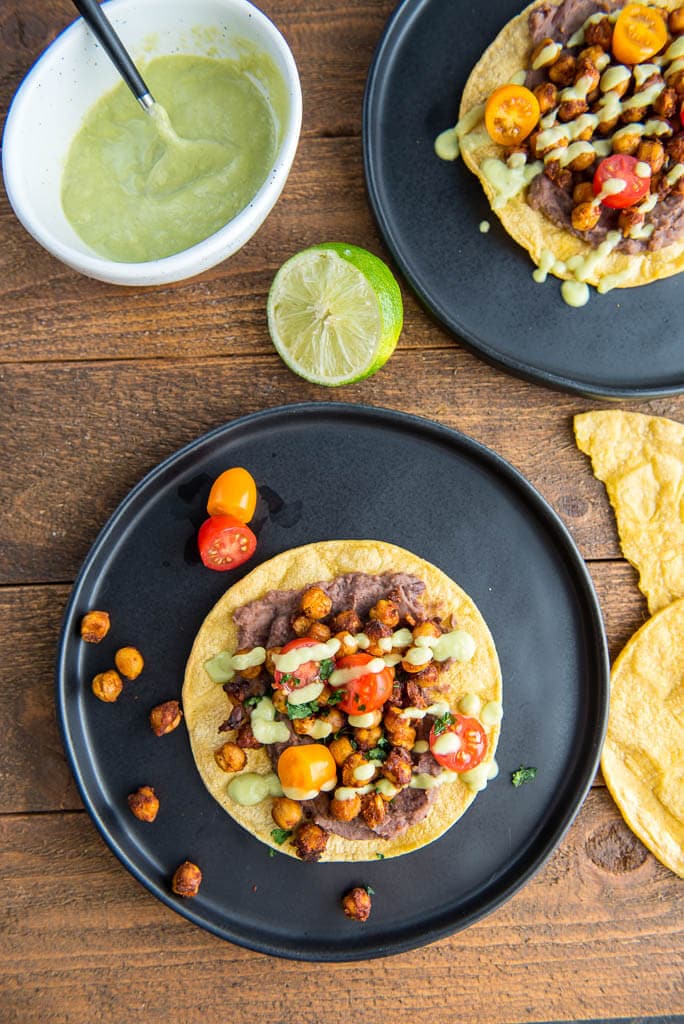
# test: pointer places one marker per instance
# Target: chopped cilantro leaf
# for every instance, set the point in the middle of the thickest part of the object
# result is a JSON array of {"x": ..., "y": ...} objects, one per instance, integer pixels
[
  {"x": 370, "y": 890},
  {"x": 286, "y": 677},
  {"x": 326, "y": 668},
  {"x": 302, "y": 710},
  {"x": 279, "y": 835},
  {"x": 442, "y": 723},
  {"x": 336, "y": 696},
  {"x": 362, "y": 707},
  {"x": 380, "y": 751},
  {"x": 271, "y": 852},
  {"x": 252, "y": 702},
  {"x": 380, "y": 856},
  {"x": 522, "y": 775}
]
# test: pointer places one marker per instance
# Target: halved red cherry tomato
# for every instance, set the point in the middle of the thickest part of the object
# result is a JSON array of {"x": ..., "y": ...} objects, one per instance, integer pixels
[
  {"x": 233, "y": 493},
  {"x": 367, "y": 692},
  {"x": 622, "y": 167},
  {"x": 225, "y": 543},
  {"x": 471, "y": 747},
  {"x": 511, "y": 113},
  {"x": 307, "y": 673},
  {"x": 638, "y": 34}
]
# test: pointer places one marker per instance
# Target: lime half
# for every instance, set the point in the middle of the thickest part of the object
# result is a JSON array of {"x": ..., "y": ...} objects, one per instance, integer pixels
[{"x": 334, "y": 313}]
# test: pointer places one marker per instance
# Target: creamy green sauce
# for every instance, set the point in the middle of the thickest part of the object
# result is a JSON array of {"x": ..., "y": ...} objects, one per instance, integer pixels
[{"x": 138, "y": 187}]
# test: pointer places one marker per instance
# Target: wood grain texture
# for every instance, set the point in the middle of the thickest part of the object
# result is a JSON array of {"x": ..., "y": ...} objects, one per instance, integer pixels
[{"x": 79, "y": 932}]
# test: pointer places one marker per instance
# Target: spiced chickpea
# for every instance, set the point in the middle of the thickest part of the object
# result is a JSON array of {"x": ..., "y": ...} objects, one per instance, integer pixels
[
  {"x": 627, "y": 142},
  {"x": 398, "y": 767},
  {"x": 279, "y": 700},
  {"x": 629, "y": 219},
  {"x": 301, "y": 624},
  {"x": 676, "y": 82},
  {"x": 304, "y": 726},
  {"x": 398, "y": 730},
  {"x": 355, "y": 761},
  {"x": 107, "y": 686},
  {"x": 248, "y": 673},
  {"x": 599, "y": 33},
  {"x": 230, "y": 757},
  {"x": 377, "y": 632},
  {"x": 570, "y": 109},
  {"x": 269, "y": 664},
  {"x": 333, "y": 717},
  {"x": 585, "y": 216},
  {"x": 346, "y": 621},
  {"x": 427, "y": 630},
  {"x": 547, "y": 96},
  {"x": 596, "y": 54},
  {"x": 632, "y": 115},
  {"x": 675, "y": 148},
  {"x": 144, "y": 803},
  {"x": 94, "y": 626},
  {"x": 310, "y": 841},
  {"x": 315, "y": 603},
  {"x": 129, "y": 662},
  {"x": 357, "y": 904},
  {"x": 348, "y": 644},
  {"x": 186, "y": 880},
  {"x": 428, "y": 677},
  {"x": 319, "y": 631},
  {"x": 665, "y": 105},
  {"x": 341, "y": 749},
  {"x": 165, "y": 717},
  {"x": 286, "y": 813},
  {"x": 366, "y": 739},
  {"x": 562, "y": 71},
  {"x": 535, "y": 62},
  {"x": 345, "y": 810},
  {"x": 582, "y": 162},
  {"x": 675, "y": 21},
  {"x": 560, "y": 176},
  {"x": 373, "y": 809},
  {"x": 651, "y": 152},
  {"x": 386, "y": 612},
  {"x": 583, "y": 193}
]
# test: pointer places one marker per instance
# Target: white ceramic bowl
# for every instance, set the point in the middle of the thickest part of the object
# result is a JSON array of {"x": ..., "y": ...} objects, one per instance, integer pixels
[{"x": 74, "y": 72}]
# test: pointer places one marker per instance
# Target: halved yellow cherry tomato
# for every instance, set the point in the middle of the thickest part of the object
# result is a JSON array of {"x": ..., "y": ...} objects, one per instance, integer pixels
[
  {"x": 638, "y": 34},
  {"x": 305, "y": 770},
  {"x": 233, "y": 493},
  {"x": 511, "y": 114}
]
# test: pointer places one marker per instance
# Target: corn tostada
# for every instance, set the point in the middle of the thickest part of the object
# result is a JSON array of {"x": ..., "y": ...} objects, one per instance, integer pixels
[{"x": 343, "y": 701}]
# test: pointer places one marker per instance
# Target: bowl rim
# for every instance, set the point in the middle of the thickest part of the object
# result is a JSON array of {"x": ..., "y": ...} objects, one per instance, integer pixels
[{"x": 205, "y": 253}]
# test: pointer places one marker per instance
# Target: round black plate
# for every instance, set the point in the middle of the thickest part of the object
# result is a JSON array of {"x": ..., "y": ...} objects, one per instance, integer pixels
[
  {"x": 329, "y": 470},
  {"x": 626, "y": 344}
]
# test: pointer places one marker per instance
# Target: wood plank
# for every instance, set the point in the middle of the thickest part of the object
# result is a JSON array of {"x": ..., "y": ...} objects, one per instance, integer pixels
[
  {"x": 35, "y": 775},
  {"x": 597, "y": 933},
  {"x": 98, "y": 427}
]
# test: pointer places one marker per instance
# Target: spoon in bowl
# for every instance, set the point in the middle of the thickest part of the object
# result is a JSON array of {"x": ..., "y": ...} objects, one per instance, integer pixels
[{"x": 183, "y": 160}]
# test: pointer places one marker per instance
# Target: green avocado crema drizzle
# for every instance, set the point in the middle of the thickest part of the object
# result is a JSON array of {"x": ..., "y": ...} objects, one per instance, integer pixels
[{"x": 135, "y": 190}]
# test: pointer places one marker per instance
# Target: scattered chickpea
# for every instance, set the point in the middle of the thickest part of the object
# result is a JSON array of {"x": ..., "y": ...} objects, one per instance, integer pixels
[
  {"x": 354, "y": 761},
  {"x": 599, "y": 33},
  {"x": 585, "y": 216},
  {"x": 144, "y": 803},
  {"x": 186, "y": 880},
  {"x": 651, "y": 152},
  {"x": 269, "y": 664},
  {"x": 107, "y": 686},
  {"x": 279, "y": 698},
  {"x": 347, "y": 621},
  {"x": 366, "y": 739},
  {"x": 315, "y": 603},
  {"x": 547, "y": 96},
  {"x": 373, "y": 809},
  {"x": 345, "y": 810},
  {"x": 348, "y": 644},
  {"x": 165, "y": 717},
  {"x": 319, "y": 631},
  {"x": 94, "y": 626},
  {"x": 129, "y": 661},
  {"x": 357, "y": 904},
  {"x": 427, "y": 629},
  {"x": 248, "y": 673},
  {"x": 333, "y": 717},
  {"x": 310, "y": 841},
  {"x": 562, "y": 71},
  {"x": 583, "y": 193},
  {"x": 386, "y": 612},
  {"x": 230, "y": 757},
  {"x": 341, "y": 749},
  {"x": 286, "y": 813},
  {"x": 675, "y": 21},
  {"x": 301, "y": 624}
]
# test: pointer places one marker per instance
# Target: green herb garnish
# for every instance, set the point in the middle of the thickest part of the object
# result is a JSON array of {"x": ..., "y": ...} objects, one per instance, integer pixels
[
  {"x": 252, "y": 702},
  {"x": 279, "y": 835},
  {"x": 336, "y": 696},
  {"x": 302, "y": 710},
  {"x": 380, "y": 856},
  {"x": 381, "y": 750},
  {"x": 523, "y": 775},
  {"x": 442, "y": 723},
  {"x": 271, "y": 852},
  {"x": 370, "y": 890},
  {"x": 326, "y": 669}
]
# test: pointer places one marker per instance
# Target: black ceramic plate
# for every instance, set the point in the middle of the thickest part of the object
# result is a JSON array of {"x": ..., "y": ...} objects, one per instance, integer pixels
[
  {"x": 325, "y": 471},
  {"x": 625, "y": 344}
]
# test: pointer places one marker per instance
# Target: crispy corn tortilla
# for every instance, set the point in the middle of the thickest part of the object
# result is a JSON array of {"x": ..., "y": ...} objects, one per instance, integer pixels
[
  {"x": 506, "y": 56},
  {"x": 206, "y": 707},
  {"x": 643, "y": 756},
  {"x": 640, "y": 459}
]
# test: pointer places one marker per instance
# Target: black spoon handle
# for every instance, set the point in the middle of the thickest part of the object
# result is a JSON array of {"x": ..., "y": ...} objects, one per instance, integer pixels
[{"x": 114, "y": 48}]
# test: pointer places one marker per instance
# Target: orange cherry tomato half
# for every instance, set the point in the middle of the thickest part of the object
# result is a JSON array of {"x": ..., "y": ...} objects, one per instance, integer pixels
[
  {"x": 306, "y": 769},
  {"x": 307, "y": 673},
  {"x": 367, "y": 692},
  {"x": 622, "y": 167},
  {"x": 225, "y": 543},
  {"x": 470, "y": 744},
  {"x": 511, "y": 114},
  {"x": 638, "y": 34},
  {"x": 233, "y": 493}
]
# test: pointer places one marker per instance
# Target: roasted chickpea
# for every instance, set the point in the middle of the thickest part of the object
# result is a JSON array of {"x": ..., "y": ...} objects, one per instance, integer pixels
[
  {"x": 626, "y": 142},
  {"x": 583, "y": 193},
  {"x": 412, "y": 669},
  {"x": 428, "y": 629},
  {"x": 279, "y": 700},
  {"x": 562, "y": 71},
  {"x": 665, "y": 105},
  {"x": 144, "y": 803},
  {"x": 357, "y": 904},
  {"x": 129, "y": 661},
  {"x": 599, "y": 33},
  {"x": 304, "y": 726},
  {"x": 585, "y": 216},
  {"x": 107, "y": 686},
  {"x": 570, "y": 109},
  {"x": 246, "y": 739},
  {"x": 547, "y": 96},
  {"x": 596, "y": 54},
  {"x": 341, "y": 749},
  {"x": 301, "y": 624},
  {"x": 582, "y": 162},
  {"x": 315, "y": 603},
  {"x": 366, "y": 739},
  {"x": 560, "y": 176},
  {"x": 398, "y": 730},
  {"x": 675, "y": 21},
  {"x": 675, "y": 148},
  {"x": 373, "y": 809},
  {"x": 348, "y": 644},
  {"x": 355, "y": 761},
  {"x": 379, "y": 636},
  {"x": 333, "y": 717},
  {"x": 629, "y": 219},
  {"x": 537, "y": 52},
  {"x": 186, "y": 880},
  {"x": 165, "y": 717},
  {"x": 634, "y": 114},
  {"x": 310, "y": 841},
  {"x": 94, "y": 626},
  {"x": 676, "y": 82},
  {"x": 345, "y": 810},
  {"x": 386, "y": 612},
  {"x": 347, "y": 621},
  {"x": 398, "y": 767},
  {"x": 286, "y": 813},
  {"x": 230, "y": 757},
  {"x": 319, "y": 631},
  {"x": 269, "y": 664},
  {"x": 652, "y": 153}
]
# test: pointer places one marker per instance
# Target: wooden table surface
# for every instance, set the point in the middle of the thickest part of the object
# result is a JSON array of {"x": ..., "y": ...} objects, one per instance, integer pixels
[{"x": 98, "y": 384}]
